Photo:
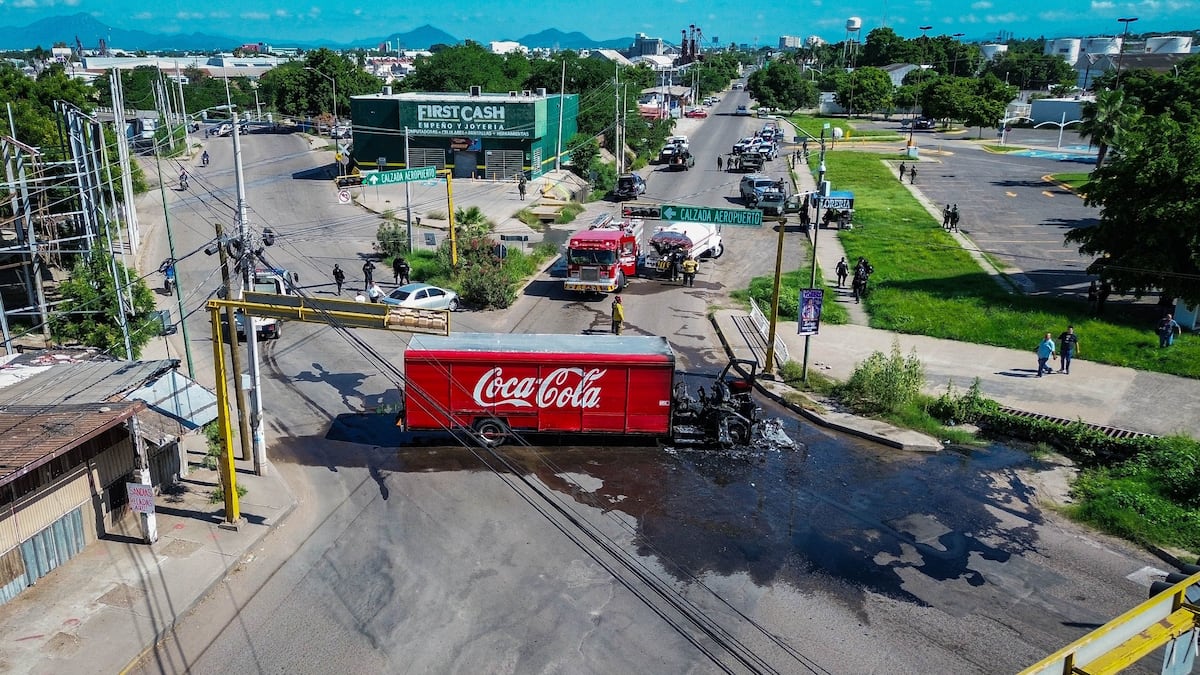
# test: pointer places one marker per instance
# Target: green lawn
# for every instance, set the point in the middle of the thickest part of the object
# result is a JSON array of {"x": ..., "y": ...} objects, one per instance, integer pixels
[
  {"x": 813, "y": 125},
  {"x": 925, "y": 284},
  {"x": 789, "y": 295},
  {"x": 1073, "y": 180}
]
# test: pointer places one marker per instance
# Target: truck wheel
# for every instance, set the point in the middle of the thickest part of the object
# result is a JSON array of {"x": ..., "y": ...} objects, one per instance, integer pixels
[
  {"x": 718, "y": 251},
  {"x": 491, "y": 432},
  {"x": 739, "y": 432}
]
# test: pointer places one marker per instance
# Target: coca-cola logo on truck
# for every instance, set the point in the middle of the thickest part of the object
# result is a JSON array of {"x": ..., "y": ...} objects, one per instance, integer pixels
[{"x": 561, "y": 388}]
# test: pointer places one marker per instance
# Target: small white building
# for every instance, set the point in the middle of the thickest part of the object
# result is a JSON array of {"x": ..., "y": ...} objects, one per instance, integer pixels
[{"x": 507, "y": 47}]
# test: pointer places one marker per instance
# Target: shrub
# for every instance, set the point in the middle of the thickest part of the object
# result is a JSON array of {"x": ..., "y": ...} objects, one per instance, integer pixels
[
  {"x": 885, "y": 384},
  {"x": 391, "y": 239}
]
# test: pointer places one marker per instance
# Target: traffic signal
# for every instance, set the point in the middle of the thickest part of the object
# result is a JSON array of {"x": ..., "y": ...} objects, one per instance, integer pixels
[{"x": 348, "y": 181}]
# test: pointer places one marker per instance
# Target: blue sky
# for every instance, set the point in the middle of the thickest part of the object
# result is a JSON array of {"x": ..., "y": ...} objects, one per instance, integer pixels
[{"x": 743, "y": 21}]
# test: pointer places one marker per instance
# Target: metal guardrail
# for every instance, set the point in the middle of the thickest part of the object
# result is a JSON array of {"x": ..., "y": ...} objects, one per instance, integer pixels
[{"x": 764, "y": 329}]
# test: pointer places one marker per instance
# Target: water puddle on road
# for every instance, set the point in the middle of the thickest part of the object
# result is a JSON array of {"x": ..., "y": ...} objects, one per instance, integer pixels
[{"x": 832, "y": 514}]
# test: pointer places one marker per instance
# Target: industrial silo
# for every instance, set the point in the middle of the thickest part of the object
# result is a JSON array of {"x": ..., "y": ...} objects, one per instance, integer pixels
[
  {"x": 1066, "y": 49},
  {"x": 1101, "y": 45},
  {"x": 993, "y": 51},
  {"x": 1169, "y": 44}
]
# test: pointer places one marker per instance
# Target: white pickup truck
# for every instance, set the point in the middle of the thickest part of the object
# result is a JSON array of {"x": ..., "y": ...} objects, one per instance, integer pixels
[
  {"x": 276, "y": 281},
  {"x": 680, "y": 240}
]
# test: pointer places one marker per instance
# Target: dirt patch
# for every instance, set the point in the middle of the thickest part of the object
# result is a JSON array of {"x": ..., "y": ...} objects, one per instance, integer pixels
[
  {"x": 62, "y": 644},
  {"x": 122, "y": 595},
  {"x": 1051, "y": 479}
]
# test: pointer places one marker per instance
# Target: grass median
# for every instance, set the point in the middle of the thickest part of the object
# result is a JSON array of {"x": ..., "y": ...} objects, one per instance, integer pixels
[{"x": 926, "y": 284}]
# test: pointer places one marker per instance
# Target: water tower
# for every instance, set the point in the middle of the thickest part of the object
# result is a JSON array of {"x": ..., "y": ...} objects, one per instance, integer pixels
[{"x": 850, "y": 46}]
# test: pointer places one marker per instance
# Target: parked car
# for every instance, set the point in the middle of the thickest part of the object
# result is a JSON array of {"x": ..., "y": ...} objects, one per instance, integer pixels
[
  {"x": 766, "y": 112},
  {"x": 423, "y": 296},
  {"x": 767, "y": 149},
  {"x": 699, "y": 113},
  {"x": 222, "y": 129},
  {"x": 742, "y": 111},
  {"x": 711, "y": 100},
  {"x": 754, "y": 185},
  {"x": 924, "y": 123},
  {"x": 629, "y": 186}
]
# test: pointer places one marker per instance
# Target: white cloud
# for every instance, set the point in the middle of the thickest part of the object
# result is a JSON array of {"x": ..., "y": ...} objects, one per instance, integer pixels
[
  {"x": 816, "y": 3},
  {"x": 218, "y": 15},
  {"x": 982, "y": 4},
  {"x": 1056, "y": 15},
  {"x": 1102, "y": 5},
  {"x": 1007, "y": 17},
  {"x": 255, "y": 16},
  {"x": 968, "y": 18},
  {"x": 143, "y": 16},
  {"x": 923, "y": 3},
  {"x": 189, "y": 16},
  {"x": 25, "y": 4},
  {"x": 282, "y": 14}
]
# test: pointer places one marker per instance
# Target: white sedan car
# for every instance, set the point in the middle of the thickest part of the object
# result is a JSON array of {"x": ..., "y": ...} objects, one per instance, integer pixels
[{"x": 423, "y": 296}]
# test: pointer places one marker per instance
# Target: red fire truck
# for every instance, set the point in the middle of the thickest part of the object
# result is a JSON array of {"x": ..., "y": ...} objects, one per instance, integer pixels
[
  {"x": 601, "y": 258},
  {"x": 497, "y": 384}
]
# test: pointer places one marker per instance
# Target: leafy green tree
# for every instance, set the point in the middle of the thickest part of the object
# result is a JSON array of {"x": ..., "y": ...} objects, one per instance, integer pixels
[
  {"x": 459, "y": 68},
  {"x": 781, "y": 85},
  {"x": 1105, "y": 119},
  {"x": 884, "y": 47},
  {"x": 584, "y": 153},
  {"x": 1031, "y": 71},
  {"x": 867, "y": 89},
  {"x": 89, "y": 311},
  {"x": 1148, "y": 236}
]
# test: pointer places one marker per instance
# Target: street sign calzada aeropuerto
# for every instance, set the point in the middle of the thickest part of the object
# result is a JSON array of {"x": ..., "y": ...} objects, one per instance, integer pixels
[
  {"x": 706, "y": 214},
  {"x": 401, "y": 176}
]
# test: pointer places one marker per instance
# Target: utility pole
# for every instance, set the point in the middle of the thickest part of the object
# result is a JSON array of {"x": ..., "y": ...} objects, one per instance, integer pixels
[
  {"x": 407, "y": 195},
  {"x": 617, "y": 121},
  {"x": 453, "y": 226},
  {"x": 562, "y": 97},
  {"x": 235, "y": 352},
  {"x": 162, "y": 191},
  {"x": 148, "y": 520},
  {"x": 247, "y": 263}
]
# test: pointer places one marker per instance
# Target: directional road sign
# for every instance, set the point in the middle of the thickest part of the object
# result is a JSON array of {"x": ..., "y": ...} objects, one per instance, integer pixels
[
  {"x": 706, "y": 214},
  {"x": 401, "y": 176}
]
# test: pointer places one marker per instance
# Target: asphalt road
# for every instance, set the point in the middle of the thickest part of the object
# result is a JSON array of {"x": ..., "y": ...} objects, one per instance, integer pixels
[{"x": 406, "y": 555}]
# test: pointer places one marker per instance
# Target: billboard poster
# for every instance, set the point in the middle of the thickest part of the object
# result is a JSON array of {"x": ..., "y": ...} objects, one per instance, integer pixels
[{"x": 809, "y": 319}]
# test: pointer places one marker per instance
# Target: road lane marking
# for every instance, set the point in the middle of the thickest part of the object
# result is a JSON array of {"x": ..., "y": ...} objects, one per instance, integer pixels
[
  {"x": 1048, "y": 193},
  {"x": 1010, "y": 194}
]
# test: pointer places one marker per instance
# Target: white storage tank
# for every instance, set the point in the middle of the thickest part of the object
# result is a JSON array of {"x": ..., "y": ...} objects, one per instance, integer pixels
[
  {"x": 1101, "y": 45},
  {"x": 1066, "y": 49},
  {"x": 853, "y": 24},
  {"x": 993, "y": 51},
  {"x": 1169, "y": 44}
]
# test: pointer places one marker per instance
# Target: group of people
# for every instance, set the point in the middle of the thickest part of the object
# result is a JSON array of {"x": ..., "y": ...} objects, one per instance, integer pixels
[
  {"x": 950, "y": 218},
  {"x": 678, "y": 263},
  {"x": 1098, "y": 295},
  {"x": 862, "y": 273},
  {"x": 400, "y": 276},
  {"x": 1066, "y": 351},
  {"x": 912, "y": 173}
]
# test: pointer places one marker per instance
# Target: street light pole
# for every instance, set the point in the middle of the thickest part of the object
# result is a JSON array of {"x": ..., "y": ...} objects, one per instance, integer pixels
[
  {"x": 1121, "y": 55},
  {"x": 334, "y": 110},
  {"x": 912, "y": 122},
  {"x": 954, "y": 61}
]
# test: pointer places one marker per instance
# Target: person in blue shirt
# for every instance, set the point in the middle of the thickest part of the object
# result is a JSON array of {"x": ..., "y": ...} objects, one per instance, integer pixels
[{"x": 1045, "y": 352}]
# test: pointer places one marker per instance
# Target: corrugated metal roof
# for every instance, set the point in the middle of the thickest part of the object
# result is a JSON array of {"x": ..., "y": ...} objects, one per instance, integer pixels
[
  {"x": 86, "y": 382},
  {"x": 32, "y": 435},
  {"x": 178, "y": 396}
]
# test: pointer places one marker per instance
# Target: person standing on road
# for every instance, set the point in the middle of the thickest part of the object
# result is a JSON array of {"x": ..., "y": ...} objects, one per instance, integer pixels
[
  {"x": 690, "y": 267},
  {"x": 843, "y": 271},
  {"x": 618, "y": 315},
  {"x": 903, "y": 168},
  {"x": 1045, "y": 352},
  {"x": 912, "y": 176},
  {"x": 368, "y": 274},
  {"x": 521, "y": 185},
  {"x": 719, "y": 163},
  {"x": 400, "y": 270},
  {"x": 1168, "y": 328},
  {"x": 339, "y": 278},
  {"x": 954, "y": 218},
  {"x": 1068, "y": 349}
]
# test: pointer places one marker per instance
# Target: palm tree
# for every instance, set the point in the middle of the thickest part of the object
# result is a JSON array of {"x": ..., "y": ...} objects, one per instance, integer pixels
[
  {"x": 471, "y": 221},
  {"x": 1105, "y": 119}
]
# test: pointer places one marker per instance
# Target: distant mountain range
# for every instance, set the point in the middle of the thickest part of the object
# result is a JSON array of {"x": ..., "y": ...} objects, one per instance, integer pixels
[{"x": 90, "y": 32}]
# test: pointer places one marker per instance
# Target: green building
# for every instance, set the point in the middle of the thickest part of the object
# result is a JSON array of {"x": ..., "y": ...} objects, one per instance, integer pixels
[{"x": 479, "y": 135}]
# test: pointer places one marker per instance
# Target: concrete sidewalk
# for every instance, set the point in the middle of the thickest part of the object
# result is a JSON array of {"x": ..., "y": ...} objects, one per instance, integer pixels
[{"x": 1140, "y": 401}]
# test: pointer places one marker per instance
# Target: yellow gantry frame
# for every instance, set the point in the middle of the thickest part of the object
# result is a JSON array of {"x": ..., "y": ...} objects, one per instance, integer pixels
[
  {"x": 1119, "y": 643},
  {"x": 309, "y": 310}
]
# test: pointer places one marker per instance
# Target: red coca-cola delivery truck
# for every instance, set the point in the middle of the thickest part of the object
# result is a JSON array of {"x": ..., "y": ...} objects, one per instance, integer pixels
[{"x": 499, "y": 384}]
